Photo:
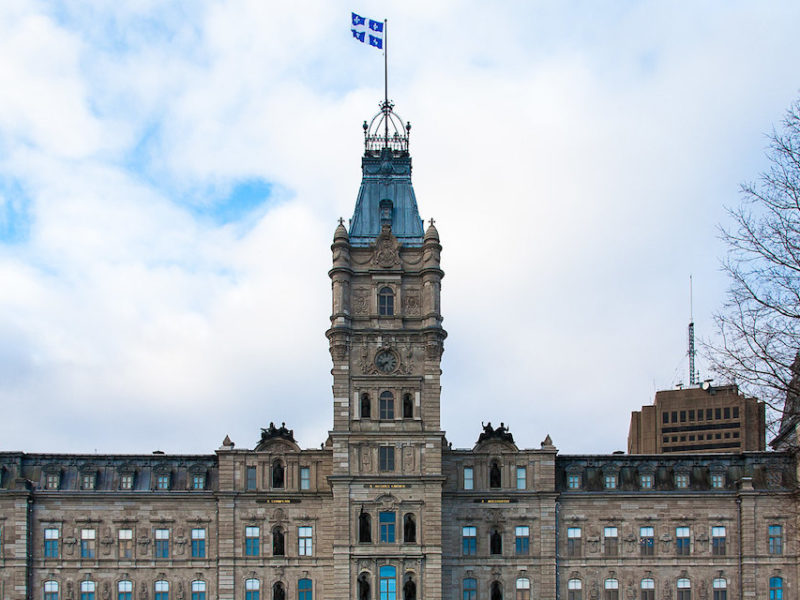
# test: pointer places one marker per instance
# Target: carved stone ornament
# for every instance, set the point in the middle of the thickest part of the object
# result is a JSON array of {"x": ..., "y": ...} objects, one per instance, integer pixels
[
  {"x": 361, "y": 302},
  {"x": 411, "y": 305},
  {"x": 386, "y": 253}
]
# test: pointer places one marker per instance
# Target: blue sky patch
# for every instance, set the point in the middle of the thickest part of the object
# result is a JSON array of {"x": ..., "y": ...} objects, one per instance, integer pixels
[
  {"x": 232, "y": 203},
  {"x": 15, "y": 217}
]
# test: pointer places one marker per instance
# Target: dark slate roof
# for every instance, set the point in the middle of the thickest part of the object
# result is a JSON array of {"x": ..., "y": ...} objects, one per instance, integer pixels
[{"x": 386, "y": 175}]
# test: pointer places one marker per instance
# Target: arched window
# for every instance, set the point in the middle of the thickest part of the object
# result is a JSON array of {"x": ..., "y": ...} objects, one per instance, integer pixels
[
  {"x": 277, "y": 474},
  {"x": 470, "y": 589},
  {"x": 87, "y": 590},
  {"x": 611, "y": 587},
  {"x": 304, "y": 590},
  {"x": 409, "y": 529},
  {"x": 125, "y": 590},
  {"x": 386, "y": 405},
  {"x": 495, "y": 591},
  {"x": 775, "y": 588},
  {"x": 684, "y": 589},
  {"x": 388, "y": 583},
  {"x": 162, "y": 590},
  {"x": 495, "y": 542},
  {"x": 364, "y": 528},
  {"x": 523, "y": 586},
  {"x": 648, "y": 587},
  {"x": 720, "y": 587},
  {"x": 363, "y": 587},
  {"x": 278, "y": 591},
  {"x": 386, "y": 302},
  {"x": 574, "y": 589},
  {"x": 198, "y": 590},
  {"x": 409, "y": 589},
  {"x": 278, "y": 546},
  {"x": 365, "y": 406},
  {"x": 251, "y": 589},
  {"x": 50, "y": 590},
  {"x": 494, "y": 475},
  {"x": 408, "y": 407}
]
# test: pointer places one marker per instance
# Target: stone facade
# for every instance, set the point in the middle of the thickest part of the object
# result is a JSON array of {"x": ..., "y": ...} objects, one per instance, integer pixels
[{"x": 386, "y": 509}]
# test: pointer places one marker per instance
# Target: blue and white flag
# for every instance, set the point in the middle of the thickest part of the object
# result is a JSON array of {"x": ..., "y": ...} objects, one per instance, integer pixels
[{"x": 367, "y": 31}]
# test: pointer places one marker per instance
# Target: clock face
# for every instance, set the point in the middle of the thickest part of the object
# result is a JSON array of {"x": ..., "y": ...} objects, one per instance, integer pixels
[{"x": 386, "y": 361}]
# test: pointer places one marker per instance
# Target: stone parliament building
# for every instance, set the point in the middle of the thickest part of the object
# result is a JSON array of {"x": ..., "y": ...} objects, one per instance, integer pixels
[{"x": 386, "y": 509}]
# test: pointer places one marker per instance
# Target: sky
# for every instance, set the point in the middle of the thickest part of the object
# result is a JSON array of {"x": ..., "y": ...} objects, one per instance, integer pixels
[{"x": 171, "y": 175}]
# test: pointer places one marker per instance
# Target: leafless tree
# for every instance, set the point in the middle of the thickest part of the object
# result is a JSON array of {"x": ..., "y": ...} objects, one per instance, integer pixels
[{"x": 759, "y": 324}]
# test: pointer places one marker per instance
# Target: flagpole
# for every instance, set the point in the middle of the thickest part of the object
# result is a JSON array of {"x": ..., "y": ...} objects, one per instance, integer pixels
[{"x": 386, "y": 80}]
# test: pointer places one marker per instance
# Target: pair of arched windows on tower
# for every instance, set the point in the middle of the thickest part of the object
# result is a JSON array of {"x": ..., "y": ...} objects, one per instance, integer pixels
[{"x": 386, "y": 406}]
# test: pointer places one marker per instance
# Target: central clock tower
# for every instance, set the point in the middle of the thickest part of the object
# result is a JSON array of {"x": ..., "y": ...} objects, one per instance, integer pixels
[{"x": 386, "y": 342}]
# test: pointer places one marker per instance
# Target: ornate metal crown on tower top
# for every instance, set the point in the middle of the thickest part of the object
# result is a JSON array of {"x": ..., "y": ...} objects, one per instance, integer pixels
[{"x": 386, "y": 130}]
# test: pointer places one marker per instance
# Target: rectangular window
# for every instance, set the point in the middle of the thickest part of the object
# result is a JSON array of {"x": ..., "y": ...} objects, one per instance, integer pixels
[
  {"x": 251, "y": 478},
  {"x": 683, "y": 416},
  {"x": 387, "y": 522},
  {"x": 648, "y": 588},
  {"x": 610, "y": 541},
  {"x": 573, "y": 541},
  {"x": 682, "y": 541},
  {"x": 162, "y": 590},
  {"x": 674, "y": 416},
  {"x": 717, "y": 413},
  {"x": 718, "y": 541},
  {"x": 304, "y": 591},
  {"x": 88, "y": 540},
  {"x": 735, "y": 412},
  {"x": 611, "y": 482},
  {"x": 665, "y": 417},
  {"x": 386, "y": 406},
  {"x": 50, "y": 590},
  {"x": 251, "y": 538},
  {"x": 87, "y": 590},
  {"x": 522, "y": 536},
  {"x": 87, "y": 482},
  {"x": 470, "y": 589},
  {"x": 198, "y": 543},
  {"x": 52, "y": 480},
  {"x": 162, "y": 482},
  {"x": 682, "y": 480},
  {"x": 125, "y": 590},
  {"x": 386, "y": 458},
  {"x": 717, "y": 481},
  {"x": 198, "y": 590},
  {"x": 708, "y": 414},
  {"x": 305, "y": 478},
  {"x": 775, "y": 539},
  {"x": 691, "y": 415},
  {"x": 469, "y": 541},
  {"x": 198, "y": 482},
  {"x": 126, "y": 481},
  {"x": 304, "y": 535},
  {"x": 162, "y": 543},
  {"x": 727, "y": 412},
  {"x": 125, "y": 538},
  {"x": 647, "y": 541},
  {"x": 574, "y": 482},
  {"x": 388, "y": 583},
  {"x": 468, "y": 478},
  {"x": 522, "y": 479},
  {"x": 51, "y": 543},
  {"x": 646, "y": 482}
]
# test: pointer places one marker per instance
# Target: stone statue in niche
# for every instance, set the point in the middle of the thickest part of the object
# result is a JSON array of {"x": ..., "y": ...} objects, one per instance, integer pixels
[{"x": 363, "y": 587}]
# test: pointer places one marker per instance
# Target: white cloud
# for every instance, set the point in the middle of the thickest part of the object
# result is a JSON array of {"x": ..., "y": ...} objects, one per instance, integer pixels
[{"x": 576, "y": 165}]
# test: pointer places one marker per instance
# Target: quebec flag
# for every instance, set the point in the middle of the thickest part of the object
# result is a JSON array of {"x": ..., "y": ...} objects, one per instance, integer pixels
[{"x": 367, "y": 31}]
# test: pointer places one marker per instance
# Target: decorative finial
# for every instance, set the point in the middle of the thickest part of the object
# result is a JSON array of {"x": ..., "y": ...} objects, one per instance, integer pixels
[
  {"x": 432, "y": 222},
  {"x": 341, "y": 221}
]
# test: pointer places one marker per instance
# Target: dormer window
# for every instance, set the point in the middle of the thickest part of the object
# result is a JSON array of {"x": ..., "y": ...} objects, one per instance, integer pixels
[
  {"x": 386, "y": 212},
  {"x": 88, "y": 481},
  {"x": 386, "y": 302},
  {"x": 52, "y": 481},
  {"x": 126, "y": 481},
  {"x": 162, "y": 481}
]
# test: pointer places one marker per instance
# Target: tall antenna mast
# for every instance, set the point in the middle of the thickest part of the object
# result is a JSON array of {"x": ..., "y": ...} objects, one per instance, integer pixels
[{"x": 692, "y": 351}]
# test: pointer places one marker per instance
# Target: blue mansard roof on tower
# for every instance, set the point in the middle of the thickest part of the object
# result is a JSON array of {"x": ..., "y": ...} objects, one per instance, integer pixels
[{"x": 386, "y": 195}]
